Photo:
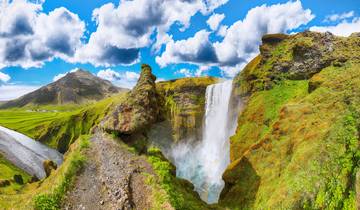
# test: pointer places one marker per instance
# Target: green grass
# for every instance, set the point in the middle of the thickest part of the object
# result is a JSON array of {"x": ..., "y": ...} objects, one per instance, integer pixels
[
  {"x": 52, "y": 200},
  {"x": 7, "y": 172},
  {"x": 169, "y": 189},
  {"x": 48, "y": 193},
  {"x": 303, "y": 147},
  {"x": 57, "y": 129}
]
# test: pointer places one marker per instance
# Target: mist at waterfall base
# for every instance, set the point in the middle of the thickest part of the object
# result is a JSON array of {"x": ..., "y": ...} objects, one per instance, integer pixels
[{"x": 204, "y": 163}]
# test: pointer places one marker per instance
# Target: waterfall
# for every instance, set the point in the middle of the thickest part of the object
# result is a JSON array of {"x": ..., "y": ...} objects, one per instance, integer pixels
[{"x": 204, "y": 163}]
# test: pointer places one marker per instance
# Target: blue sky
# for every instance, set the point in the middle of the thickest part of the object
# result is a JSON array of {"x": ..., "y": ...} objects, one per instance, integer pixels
[{"x": 43, "y": 40}]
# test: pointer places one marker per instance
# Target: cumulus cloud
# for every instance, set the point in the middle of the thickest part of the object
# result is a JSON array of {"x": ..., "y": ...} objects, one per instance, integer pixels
[
  {"x": 345, "y": 28},
  {"x": 4, "y": 77},
  {"x": 125, "y": 79},
  {"x": 214, "y": 21},
  {"x": 185, "y": 72},
  {"x": 9, "y": 92},
  {"x": 195, "y": 50},
  {"x": 122, "y": 30},
  {"x": 61, "y": 75},
  {"x": 241, "y": 40},
  {"x": 337, "y": 17},
  {"x": 29, "y": 37}
]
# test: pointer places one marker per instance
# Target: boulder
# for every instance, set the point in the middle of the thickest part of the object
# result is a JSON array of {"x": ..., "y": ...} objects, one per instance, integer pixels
[
  {"x": 49, "y": 165},
  {"x": 4, "y": 183},
  {"x": 18, "y": 179}
]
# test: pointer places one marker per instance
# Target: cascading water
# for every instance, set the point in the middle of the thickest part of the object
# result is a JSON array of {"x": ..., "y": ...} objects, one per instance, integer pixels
[{"x": 204, "y": 163}]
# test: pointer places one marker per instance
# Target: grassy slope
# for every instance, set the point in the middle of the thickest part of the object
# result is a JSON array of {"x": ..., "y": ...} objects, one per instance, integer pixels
[
  {"x": 7, "y": 172},
  {"x": 47, "y": 194},
  {"x": 294, "y": 148},
  {"x": 169, "y": 189},
  {"x": 57, "y": 129}
]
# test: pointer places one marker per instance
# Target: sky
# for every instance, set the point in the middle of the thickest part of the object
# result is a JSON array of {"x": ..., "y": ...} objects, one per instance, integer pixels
[{"x": 42, "y": 40}]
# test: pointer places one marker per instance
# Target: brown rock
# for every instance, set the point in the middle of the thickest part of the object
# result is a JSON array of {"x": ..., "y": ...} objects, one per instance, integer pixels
[
  {"x": 49, "y": 165},
  {"x": 4, "y": 183}
]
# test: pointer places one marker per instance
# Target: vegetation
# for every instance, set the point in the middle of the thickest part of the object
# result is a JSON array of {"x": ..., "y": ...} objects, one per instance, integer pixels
[
  {"x": 183, "y": 102},
  {"x": 7, "y": 172},
  {"x": 169, "y": 189},
  {"x": 48, "y": 193},
  {"x": 54, "y": 127},
  {"x": 297, "y": 141}
]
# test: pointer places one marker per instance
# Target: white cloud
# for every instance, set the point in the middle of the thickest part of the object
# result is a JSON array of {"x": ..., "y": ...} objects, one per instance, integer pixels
[
  {"x": 185, "y": 72},
  {"x": 29, "y": 37},
  {"x": 345, "y": 28},
  {"x": 222, "y": 30},
  {"x": 61, "y": 75},
  {"x": 214, "y": 21},
  {"x": 195, "y": 50},
  {"x": 9, "y": 92},
  {"x": 126, "y": 79},
  {"x": 337, "y": 17},
  {"x": 123, "y": 29},
  {"x": 4, "y": 77},
  {"x": 241, "y": 40},
  {"x": 201, "y": 70}
]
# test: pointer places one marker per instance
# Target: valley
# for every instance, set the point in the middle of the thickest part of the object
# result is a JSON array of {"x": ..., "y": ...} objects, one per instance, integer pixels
[{"x": 283, "y": 134}]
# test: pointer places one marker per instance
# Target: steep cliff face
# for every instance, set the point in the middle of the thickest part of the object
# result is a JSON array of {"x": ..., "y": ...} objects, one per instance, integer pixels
[
  {"x": 183, "y": 102},
  {"x": 297, "y": 140}
]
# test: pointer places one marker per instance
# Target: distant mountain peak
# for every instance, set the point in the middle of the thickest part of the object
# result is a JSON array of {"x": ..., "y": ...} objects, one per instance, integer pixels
[{"x": 75, "y": 87}]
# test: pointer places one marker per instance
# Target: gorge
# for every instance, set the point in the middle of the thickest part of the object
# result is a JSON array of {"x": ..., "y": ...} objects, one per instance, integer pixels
[{"x": 204, "y": 162}]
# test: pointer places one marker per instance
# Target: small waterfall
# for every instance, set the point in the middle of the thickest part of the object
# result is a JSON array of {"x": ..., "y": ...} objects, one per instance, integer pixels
[{"x": 203, "y": 164}]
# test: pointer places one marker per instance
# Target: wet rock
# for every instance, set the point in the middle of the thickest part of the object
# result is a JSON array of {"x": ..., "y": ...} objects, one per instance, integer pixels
[
  {"x": 18, "y": 179},
  {"x": 49, "y": 165}
]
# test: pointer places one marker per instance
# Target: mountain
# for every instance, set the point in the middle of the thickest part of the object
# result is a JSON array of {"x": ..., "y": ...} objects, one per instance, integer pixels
[{"x": 76, "y": 87}]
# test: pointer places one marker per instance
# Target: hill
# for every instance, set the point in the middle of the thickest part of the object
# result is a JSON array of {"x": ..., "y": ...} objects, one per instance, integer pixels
[
  {"x": 76, "y": 88},
  {"x": 297, "y": 140}
]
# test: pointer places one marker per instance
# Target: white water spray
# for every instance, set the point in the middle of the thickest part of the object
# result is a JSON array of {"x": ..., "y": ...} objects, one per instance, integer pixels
[{"x": 203, "y": 164}]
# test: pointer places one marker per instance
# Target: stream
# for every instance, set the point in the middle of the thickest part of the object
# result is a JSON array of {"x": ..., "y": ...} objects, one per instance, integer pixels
[{"x": 27, "y": 153}]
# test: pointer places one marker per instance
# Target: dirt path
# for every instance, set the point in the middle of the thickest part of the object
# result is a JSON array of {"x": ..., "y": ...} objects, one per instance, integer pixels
[{"x": 111, "y": 179}]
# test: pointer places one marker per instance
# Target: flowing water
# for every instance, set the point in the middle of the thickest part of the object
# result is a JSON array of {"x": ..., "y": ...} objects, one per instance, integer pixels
[
  {"x": 204, "y": 163},
  {"x": 26, "y": 153}
]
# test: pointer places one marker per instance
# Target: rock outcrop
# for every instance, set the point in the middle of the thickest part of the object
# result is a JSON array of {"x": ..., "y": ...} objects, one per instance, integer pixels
[
  {"x": 139, "y": 110},
  {"x": 297, "y": 141},
  {"x": 49, "y": 166},
  {"x": 182, "y": 102}
]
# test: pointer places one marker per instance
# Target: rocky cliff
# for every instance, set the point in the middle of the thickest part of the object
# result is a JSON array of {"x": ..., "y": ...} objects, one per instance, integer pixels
[{"x": 297, "y": 141}]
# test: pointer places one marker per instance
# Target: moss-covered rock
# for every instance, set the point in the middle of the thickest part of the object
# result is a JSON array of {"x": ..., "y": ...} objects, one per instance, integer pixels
[
  {"x": 139, "y": 110},
  {"x": 183, "y": 102},
  {"x": 49, "y": 166},
  {"x": 4, "y": 183},
  {"x": 297, "y": 141}
]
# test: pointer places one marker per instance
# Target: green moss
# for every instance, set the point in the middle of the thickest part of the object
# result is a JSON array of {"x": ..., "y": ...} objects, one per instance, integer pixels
[
  {"x": 57, "y": 129},
  {"x": 169, "y": 189},
  {"x": 52, "y": 201},
  {"x": 262, "y": 110},
  {"x": 182, "y": 103},
  {"x": 7, "y": 172},
  {"x": 302, "y": 146}
]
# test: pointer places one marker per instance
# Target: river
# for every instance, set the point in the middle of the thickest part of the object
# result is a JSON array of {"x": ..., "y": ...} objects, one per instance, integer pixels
[{"x": 27, "y": 153}]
